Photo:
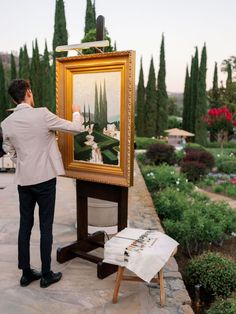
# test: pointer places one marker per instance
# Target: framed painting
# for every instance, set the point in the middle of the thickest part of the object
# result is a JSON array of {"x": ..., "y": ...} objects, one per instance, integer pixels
[{"x": 103, "y": 85}]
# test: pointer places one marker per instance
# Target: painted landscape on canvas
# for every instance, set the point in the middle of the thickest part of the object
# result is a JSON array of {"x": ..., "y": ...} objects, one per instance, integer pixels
[{"x": 99, "y": 97}]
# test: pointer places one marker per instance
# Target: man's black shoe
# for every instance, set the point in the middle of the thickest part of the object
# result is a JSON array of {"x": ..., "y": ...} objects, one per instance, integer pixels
[
  {"x": 48, "y": 280},
  {"x": 32, "y": 276}
]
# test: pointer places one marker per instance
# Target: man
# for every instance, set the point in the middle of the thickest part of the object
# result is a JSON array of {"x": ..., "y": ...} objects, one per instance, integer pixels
[
  {"x": 29, "y": 137},
  {"x": 1, "y": 140}
]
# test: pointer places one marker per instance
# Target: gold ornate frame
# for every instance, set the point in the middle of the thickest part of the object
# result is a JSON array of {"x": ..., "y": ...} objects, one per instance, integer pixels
[{"x": 124, "y": 62}]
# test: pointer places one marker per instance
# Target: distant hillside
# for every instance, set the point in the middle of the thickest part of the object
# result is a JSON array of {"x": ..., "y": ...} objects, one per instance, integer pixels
[{"x": 6, "y": 59}]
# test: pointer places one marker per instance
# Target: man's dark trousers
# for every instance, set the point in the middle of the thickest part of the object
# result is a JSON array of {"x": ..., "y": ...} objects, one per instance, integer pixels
[{"x": 44, "y": 195}]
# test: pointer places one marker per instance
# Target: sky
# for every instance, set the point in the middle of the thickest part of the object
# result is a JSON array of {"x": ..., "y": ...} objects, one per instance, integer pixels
[{"x": 135, "y": 25}]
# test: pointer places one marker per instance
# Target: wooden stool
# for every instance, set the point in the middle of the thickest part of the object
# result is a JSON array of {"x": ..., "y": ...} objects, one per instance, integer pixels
[{"x": 119, "y": 277}]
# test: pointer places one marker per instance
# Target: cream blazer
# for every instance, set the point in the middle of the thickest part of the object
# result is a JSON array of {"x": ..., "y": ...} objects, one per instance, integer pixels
[{"x": 29, "y": 138}]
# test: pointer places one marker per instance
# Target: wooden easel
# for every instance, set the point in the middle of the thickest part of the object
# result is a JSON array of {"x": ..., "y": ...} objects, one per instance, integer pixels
[{"x": 85, "y": 242}]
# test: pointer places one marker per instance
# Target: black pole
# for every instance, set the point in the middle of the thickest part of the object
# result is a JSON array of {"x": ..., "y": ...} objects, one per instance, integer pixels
[{"x": 100, "y": 28}]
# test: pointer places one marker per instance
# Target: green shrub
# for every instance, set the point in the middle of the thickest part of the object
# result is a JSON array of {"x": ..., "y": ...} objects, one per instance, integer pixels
[
  {"x": 228, "y": 166},
  {"x": 202, "y": 223},
  {"x": 194, "y": 146},
  {"x": 145, "y": 142},
  {"x": 217, "y": 145},
  {"x": 223, "y": 307},
  {"x": 179, "y": 155},
  {"x": 218, "y": 188},
  {"x": 170, "y": 203},
  {"x": 230, "y": 190},
  {"x": 161, "y": 153},
  {"x": 214, "y": 272},
  {"x": 163, "y": 176}
]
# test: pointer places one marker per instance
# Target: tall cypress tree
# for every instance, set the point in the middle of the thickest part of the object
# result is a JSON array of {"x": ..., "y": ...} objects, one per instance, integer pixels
[
  {"x": 90, "y": 17},
  {"x": 60, "y": 36},
  {"x": 24, "y": 64},
  {"x": 3, "y": 104},
  {"x": 140, "y": 104},
  {"x": 201, "y": 105},
  {"x": 13, "y": 67},
  {"x": 150, "y": 103},
  {"x": 36, "y": 75},
  {"x": 186, "y": 101},
  {"x": 46, "y": 81},
  {"x": 215, "y": 89},
  {"x": 96, "y": 106},
  {"x": 20, "y": 61},
  {"x": 193, "y": 91},
  {"x": 105, "y": 103},
  {"x": 162, "y": 97}
]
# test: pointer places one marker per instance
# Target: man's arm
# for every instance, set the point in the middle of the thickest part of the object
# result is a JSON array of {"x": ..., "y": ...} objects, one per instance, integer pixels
[
  {"x": 8, "y": 147},
  {"x": 55, "y": 123}
]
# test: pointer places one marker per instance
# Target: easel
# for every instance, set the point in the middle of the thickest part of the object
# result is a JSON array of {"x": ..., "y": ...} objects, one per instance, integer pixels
[{"x": 84, "y": 189}]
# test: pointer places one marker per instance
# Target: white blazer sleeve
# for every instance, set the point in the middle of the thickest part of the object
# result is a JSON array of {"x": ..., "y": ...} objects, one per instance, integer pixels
[
  {"x": 54, "y": 123},
  {"x": 7, "y": 146}
]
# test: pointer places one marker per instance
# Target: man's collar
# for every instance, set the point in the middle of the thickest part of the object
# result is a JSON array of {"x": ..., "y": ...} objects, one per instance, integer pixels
[{"x": 23, "y": 106}]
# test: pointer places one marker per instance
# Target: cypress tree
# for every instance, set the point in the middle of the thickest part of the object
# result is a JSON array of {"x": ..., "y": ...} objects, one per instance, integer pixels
[
  {"x": 60, "y": 36},
  {"x": 150, "y": 103},
  {"x": 215, "y": 89},
  {"x": 162, "y": 97},
  {"x": 201, "y": 105},
  {"x": 96, "y": 106},
  {"x": 140, "y": 104},
  {"x": 105, "y": 103},
  {"x": 90, "y": 17},
  {"x": 3, "y": 104},
  {"x": 46, "y": 81},
  {"x": 193, "y": 91},
  {"x": 36, "y": 75},
  {"x": 20, "y": 62},
  {"x": 186, "y": 101},
  {"x": 13, "y": 67},
  {"x": 24, "y": 64}
]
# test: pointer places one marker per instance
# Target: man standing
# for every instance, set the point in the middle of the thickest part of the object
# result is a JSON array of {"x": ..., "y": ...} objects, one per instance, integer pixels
[{"x": 29, "y": 138}]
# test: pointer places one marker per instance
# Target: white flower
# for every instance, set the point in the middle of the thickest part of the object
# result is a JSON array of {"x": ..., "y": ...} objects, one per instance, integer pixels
[
  {"x": 218, "y": 155},
  {"x": 177, "y": 182},
  {"x": 186, "y": 180}
]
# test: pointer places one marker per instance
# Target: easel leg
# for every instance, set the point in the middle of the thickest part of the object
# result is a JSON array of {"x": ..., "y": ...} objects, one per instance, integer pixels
[
  {"x": 162, "y": 287},
  {"x": 119, "y": 277}
]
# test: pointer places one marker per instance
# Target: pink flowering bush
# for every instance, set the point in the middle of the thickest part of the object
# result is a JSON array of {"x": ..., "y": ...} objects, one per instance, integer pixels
[{"x": 221, "y": 121}]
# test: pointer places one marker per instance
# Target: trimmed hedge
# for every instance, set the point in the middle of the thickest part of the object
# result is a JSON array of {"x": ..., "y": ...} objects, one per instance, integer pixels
[
  {"x": 227, "y": 166},
  {"x": 214, "y": 272},
  {"x": 145, "y": 142}
]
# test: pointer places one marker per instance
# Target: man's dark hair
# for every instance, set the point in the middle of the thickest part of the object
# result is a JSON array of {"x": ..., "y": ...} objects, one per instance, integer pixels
[{"x": 17, "y": 90}]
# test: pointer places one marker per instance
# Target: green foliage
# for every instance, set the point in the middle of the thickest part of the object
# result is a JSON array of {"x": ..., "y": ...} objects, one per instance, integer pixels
[
  {"x": 202, "y": 223},
  {"x": 145, "y": 142},
  {"x": 223, "y": 307},
  {"x": 163, "y": 176},
  {"x": 90, "y": 17},
  {"x": 91, "y": 36},
  {"x": 193, "y": 92},
  {"x": 218, "y": 189},
  {"x": 24, "y": 64},
  {"x": 179, "y": 155},
  {"x": 162, "y": 97},
  {"x": 214, "y": 272},
  {"x": 228, "y": 166},
  {"x": 174, "y": 122},
  {"x": 161, "y": 153},
  {"x": 150, "y": 104},
  {"x": 36, "y": 76},
  {"x": 47, "y": 83},
  {"x": 3, "y": 105},
  {"x": 13, "y": 67},
  {"x": 194, "y": 146},
  {"x": 60, "y": 36},
  {"x": 171, "y": 203},
  {"x": 186, "y": 102},
  {"x": 201, "y": 104},
  {"x": 140, "y": 117}
]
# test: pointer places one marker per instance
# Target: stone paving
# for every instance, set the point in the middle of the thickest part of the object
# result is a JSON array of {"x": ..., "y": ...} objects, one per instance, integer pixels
[{"x": 80, "y": 291}]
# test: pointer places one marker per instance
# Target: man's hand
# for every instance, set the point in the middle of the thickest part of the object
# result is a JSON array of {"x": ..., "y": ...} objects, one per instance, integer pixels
[{"x": 76, "y": 108}]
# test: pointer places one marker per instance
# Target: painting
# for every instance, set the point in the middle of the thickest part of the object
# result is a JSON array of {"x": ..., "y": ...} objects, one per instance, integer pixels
[{"x": 103, "y": 87}]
